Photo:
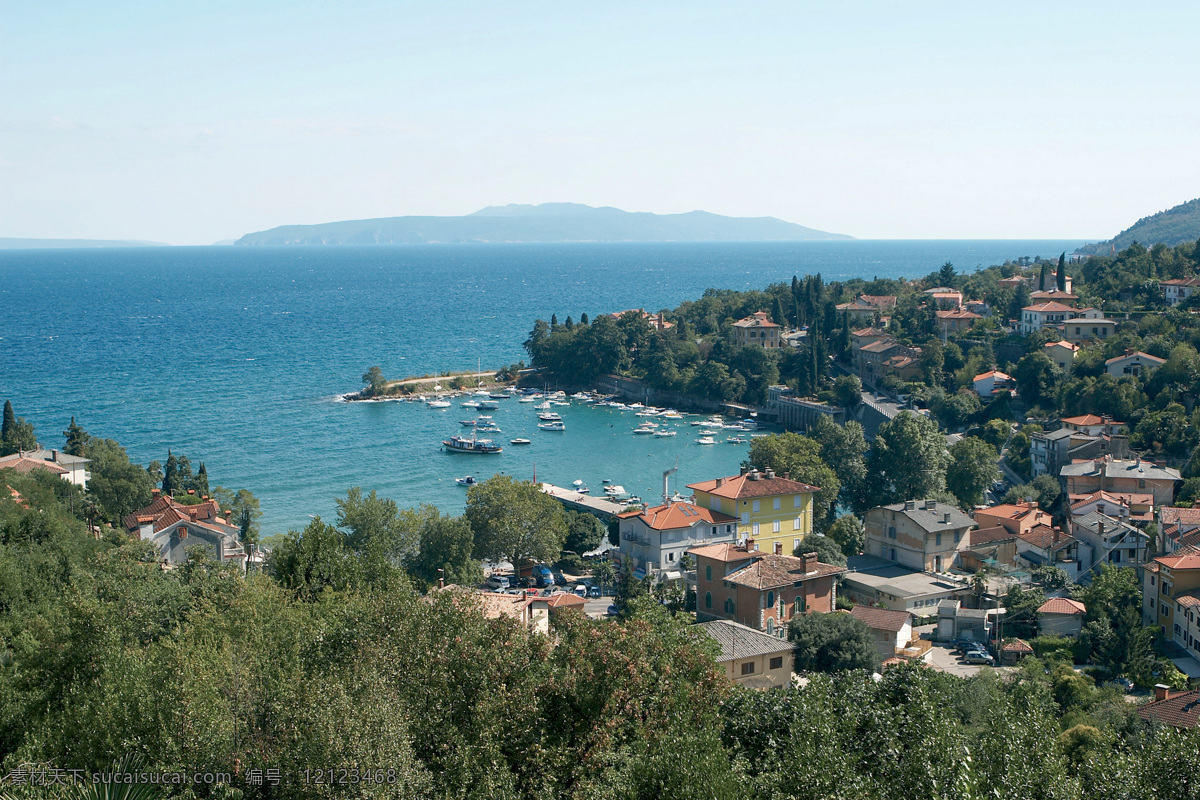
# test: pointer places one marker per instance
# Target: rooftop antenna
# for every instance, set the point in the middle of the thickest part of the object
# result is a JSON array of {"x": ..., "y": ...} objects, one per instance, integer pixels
[{"x": 666, "y": 481}]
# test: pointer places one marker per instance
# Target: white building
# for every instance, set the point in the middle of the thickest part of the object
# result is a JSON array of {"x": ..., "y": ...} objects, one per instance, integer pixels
[
  {"x": 656, "y": 538},
  {"x": 1134, "y": 362},
  {"x": 68, "y": 467},
  {"x": 1036, "y": 317}
]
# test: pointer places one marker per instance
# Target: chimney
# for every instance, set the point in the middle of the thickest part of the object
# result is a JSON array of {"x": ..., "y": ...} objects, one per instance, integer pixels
[
  {"x": 946, "y": 517},
  {"x": 192, "y": 492},
  {"x": 779, "y": 548},
  {"x": 753, "y": 475},
  {"x": 1101, "y": 529},
  {"x": 155, "y": 492},
  {"x": 228, "y": 514},
  {"x": 787, "y": 476},
  {"x": 1161, "y": 691},
  {"x": 770, "y": 474},
  {"x": 54, "y": 455},
  {"x": 750, "y": 546},
  {"x": 745, "y": 470},
  {"x": 930, "y": 505},
  {"x": 441, "y": 583},
  {"x": 1057, "y": 535},
  {"x": 910, "y": 505},
  {"x": 808, "y": 563},
  {"x": 720, "y": 482}
]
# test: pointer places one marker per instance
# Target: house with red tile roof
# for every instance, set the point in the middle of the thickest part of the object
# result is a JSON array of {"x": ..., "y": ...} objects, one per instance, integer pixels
[
  {"x": 656, "y": 538},
  {"x": 757, "y": 329},
  {"x": 866, "y": 307},
  {"x": 1177, "y": 709},
  {"x": 1054, "y": 296},
  {"x": 1136, "y": 508},
  {"x": 1171, "y": 599},
  {"x": 1040, "y": 315},
  {"x": 955, "y": 319},
  {"x": 761, "y": 590},
  {"x": 751, "y": 658},
  {"x": 68, "y": 467},
  {"x": 944, "y": 297},
  {"x": 1016, "y": 518},
  {"x": 1133, "y": 362},
  {"x": 1176, "y": 290},
  {"x": 988, "y": 383},
  {"x": 1094, "y": 425},
  {"x": 173, "y": 528},
  {"x": 1178, "y": 528},
  {"x": 1061, "y": 353},
  {"x": 1043, "y": 545},
  {"x": 656, "y": 321},
  {"x": 892, "y": 629},
  {"x": 1061, "y": 616},
  {"x": 1013, "y": 650}
]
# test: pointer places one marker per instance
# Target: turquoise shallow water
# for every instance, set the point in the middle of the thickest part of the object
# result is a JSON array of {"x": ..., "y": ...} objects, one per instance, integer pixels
[{"x": 234, "y": 356}]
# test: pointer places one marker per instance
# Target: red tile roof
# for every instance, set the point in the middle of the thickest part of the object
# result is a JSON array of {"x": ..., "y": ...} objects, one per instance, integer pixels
[
  {"x": 990, "y": 535},
  {"x": 25, "y": 465},
  {"x": 743, "y": 486},
  {"x": 1180, "y": 561},
  {"x": 957, "y": 313},
  {"x": 1062, "y": 605},
  {"x": 679, "y": 515},
  {"x": 1048, "y": 308},
  {"x": 882, "y": 619},
  {"x": 1042, "y": 537},
  {"x": 565, "y": 600},
  {"x": 1064, "y": 343},
  {"x": 1089, "y": 419},
  {"x": 724, "y": 552},
  {"x": 1180, "y": 710},
  {"x": 1186, "y": 516},
  {"x": 759, "y": 319},
  {"x": 1016, "y": 646},
  {"x": 992, "y": 373},
  {"x": 769, "y": 571},
  {"x": 1189, "y": 599}
]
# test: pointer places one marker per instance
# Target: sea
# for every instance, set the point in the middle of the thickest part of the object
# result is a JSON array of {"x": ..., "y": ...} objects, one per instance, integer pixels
[{"x": 239, "y": 357}]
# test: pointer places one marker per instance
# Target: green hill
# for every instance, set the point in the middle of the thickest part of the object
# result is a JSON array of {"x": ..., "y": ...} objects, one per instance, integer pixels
[
  {"x": 549, "y": 222},
  {"x": 1171, "y": 227}
]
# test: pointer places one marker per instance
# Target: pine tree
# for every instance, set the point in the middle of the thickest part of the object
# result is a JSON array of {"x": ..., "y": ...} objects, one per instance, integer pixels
[
  {"x": 202, "y": 480},
  {"x": 170, "y": 481},
  {"x": 777, "y": 313},
  {"x": 553, "y": 322},
  {"x": 583, "y": 319},
  {"x": 1062, "y": 272},
  {"x": 16, "y": 434},
  {"x": 77, "y": 439},
  {"x": 569, "y": 324}
]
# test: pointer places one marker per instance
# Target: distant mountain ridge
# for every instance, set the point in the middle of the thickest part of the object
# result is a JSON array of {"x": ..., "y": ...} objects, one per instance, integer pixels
[
  {"x": 47, "y": 244},
  {"x": 1171, "y": 227},
  {"x": 545, "y": 223}
]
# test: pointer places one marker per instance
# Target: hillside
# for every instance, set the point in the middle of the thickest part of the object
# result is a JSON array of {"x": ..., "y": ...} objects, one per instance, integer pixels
[
  {"x": 1171, "y": 227},
  {"x": 549, "y": 222}
]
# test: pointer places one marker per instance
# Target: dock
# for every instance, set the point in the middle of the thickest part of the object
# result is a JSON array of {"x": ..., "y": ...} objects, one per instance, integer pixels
[{"x": 602, "y": 507}]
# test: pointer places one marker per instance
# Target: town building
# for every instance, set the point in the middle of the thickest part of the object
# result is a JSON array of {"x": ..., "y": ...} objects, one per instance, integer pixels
[
  {"x": 656, "y": 538},
  {"x": 989, "y": 383},
  {"x": 1171, "y": 598},
  {"x": 762, "y": 590},
  {"x": 956, "y": 622},
  {"x": 1041, "y": 315},
  {"x": 1013, "y": 651},
  {"x": 864, "y": 336},
  {"x": 924, "y": 535},
  {"x": 1015, "y": 519},
  {"x": 800, "y": 413},
  {"x": 866, "y": 307},
  {"x": 892, "y": 629},
  {"x": 1178, "y": 528},
  {"x": 944, "y": 297},
  {"x": 1133, "y": 362},
  {"x": 68, "y": 467},
  {"x": 873, "y": 581},
  {"x": 1048, "y": 450},
  {"x": 751, "y": 658},
  {"x": 992, "y": 549},
  {"x": 1177, "y": 709},
  {"x": 1136, "y": 508},
  {"x": 1133, "y": 476},
  {"x": 1043, "y": 546},
  {"x": 1085, "y": 327},
  {"x": 1054, "y": 296},
  {"x": 1061, "y": 616},
  {"x": 1061, "y": 353},
  {"x": 1176, "y": 290},
  {"x": 757, "y": 329},
  {"x": 1111, "y": 540},
  {"x": 173, "y": 528},
  {"x": 1093, "y": 425},
  {"x": 768, "y": 508},
  {"x": 884, "y": 357},
  {"x": 955, "y": 319},
  {"x": 656, "y": 321}
]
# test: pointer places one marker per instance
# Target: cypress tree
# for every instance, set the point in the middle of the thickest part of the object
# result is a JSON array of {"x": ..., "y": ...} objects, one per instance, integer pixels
[
  {"x": 569, "y": 324},
  {"x": 170, "y": 481},
  {"x": 202, "y": 480},
  {"x": 76, "y": 439},
  {"x": 553, "y": 322},
  {"x": 1062, "y": 272},
  {"x": 10, "y": 422},
  {"x": 583, "y": 319},
  {"x": 777, "y": 313},
  {"x": 1042, "y": 279}
]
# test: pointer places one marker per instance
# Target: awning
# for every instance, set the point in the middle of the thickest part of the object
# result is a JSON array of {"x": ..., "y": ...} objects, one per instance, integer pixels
[
  {"x": 672, "y": 575},
  {"x": 1187, "y": 665}
]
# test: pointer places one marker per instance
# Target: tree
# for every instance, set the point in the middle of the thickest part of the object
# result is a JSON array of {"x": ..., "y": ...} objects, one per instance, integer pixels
[
  {"x": 1062, "y": 272},
  {"x": 376, "y": 384},
  {"x": 1042, "y": 278},
  {"x": 515, "y": 521},
  {"x": 77, "y": 439},
  {"x": 844, "y": 448},
  {"x": 1021, "y": 611},
  {"x": 832, "y": 643},
  {"x": 584, "y": 532},
  {"x": 119, "y": 486},
  {"x": 1037, "y": 376},
  {"x": 309, "y": 561},
  {"x": 446, "y": 544},
  {"x": 201, "y": 482},
  {"x": 370, "y": 519},
  {"x": 946, "y": 275},
  {"x": 798, "y": 457},
  {"x": 244, "y": 508},
  {"x": 908, "y": 459},
  {"x": 847, "y": 391},
  {"x": 847, "y": 531},
  {"x": 971, "y": 470},
  {"x": 16, "y": 435},
  {"x": 827, "y": 550},
  {"x": 1044, "y": 489}
]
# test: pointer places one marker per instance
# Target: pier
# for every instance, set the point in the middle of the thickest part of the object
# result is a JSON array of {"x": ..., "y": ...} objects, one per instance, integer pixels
[{"x": 602, "y": 507}]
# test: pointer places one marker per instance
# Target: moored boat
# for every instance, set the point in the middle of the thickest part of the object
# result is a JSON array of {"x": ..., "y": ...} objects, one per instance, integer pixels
[
  {"x": 466, "y": 480},
  {"x": 552, "y": 426},
  {"x": 520, "y": 441},
  {"x": 664, "y": 434},
  {"x": 706, "y": 440},
  {"x": 461, "y": 444}
]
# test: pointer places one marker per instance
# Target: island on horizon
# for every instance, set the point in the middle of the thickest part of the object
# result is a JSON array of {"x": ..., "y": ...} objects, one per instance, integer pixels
[{"x": 543, "y": 224}]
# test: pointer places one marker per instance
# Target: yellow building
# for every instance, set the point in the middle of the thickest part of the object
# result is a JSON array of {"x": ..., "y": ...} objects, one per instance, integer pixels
[
  {"x": 1171, "y": 596},
  {"x": 776, "y": 512}
]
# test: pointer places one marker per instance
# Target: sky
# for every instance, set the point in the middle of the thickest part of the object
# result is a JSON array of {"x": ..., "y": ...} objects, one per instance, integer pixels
[{"x": 189, "y": 123}]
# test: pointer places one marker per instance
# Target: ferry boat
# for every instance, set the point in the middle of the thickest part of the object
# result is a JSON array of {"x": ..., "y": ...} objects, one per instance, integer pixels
[
  {"x": 552, "y": 426},
  {"x": 461, "y": 444}
]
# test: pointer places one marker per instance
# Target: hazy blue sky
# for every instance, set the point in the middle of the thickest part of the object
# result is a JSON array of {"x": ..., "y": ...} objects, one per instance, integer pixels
[{"x": 189, "y": 123}]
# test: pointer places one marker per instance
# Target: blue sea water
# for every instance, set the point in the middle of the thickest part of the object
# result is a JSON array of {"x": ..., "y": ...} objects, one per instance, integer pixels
[{"x": 236, "y": 356}]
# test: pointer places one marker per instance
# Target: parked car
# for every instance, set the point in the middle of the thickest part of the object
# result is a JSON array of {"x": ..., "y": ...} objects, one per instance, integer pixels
[
  {"x": 965, "y": 645},
  {"x": 979, "y": 657},
  {"x": 580, "y": 590},
  {"x": 612, "y": 611},
  {"x": 498, "y": 583},
  {"x": 1122, "y": 683},
  {"x": 594, "y": 591}
]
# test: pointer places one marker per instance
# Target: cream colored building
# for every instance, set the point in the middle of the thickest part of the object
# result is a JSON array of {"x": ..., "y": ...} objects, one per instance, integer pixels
[
  {"x": 749, "y": 657},
  {"x": 920, "y": 534}
]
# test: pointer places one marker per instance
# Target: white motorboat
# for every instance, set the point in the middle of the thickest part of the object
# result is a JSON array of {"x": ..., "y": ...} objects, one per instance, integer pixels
[
  {"x": 469, "y": 404},
  {"x": 520, "y": 441},
  {"x": 613, "y": 490},
  {"x": 706, "y": 440},
  {"x": 468, "y": 480},
  {"x": 488, "y": 405},
  {"x": 438, "y": 403},
  {"x": 643, "y": 431},
  {"x": 735, "y": 440},
  {"x": 550, "y": 416},
  {"x": 532, "y": 398},
  {"x": 664, "y": 434},
  {"x": 552, "y": 426}
]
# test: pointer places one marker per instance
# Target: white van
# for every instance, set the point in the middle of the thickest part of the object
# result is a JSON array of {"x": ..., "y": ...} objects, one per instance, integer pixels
[{"x": 498, "y": 582}]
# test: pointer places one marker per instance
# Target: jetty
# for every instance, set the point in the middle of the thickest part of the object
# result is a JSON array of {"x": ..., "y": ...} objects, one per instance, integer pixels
[{"x": 602, "y": 507}]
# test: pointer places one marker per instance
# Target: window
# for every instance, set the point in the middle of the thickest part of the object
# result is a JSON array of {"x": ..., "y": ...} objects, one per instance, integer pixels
[
  {"x": 708, "y": 599},
  {"x": 745, "y": 517},
  {"x": 748, "y": 668},
  {"x": 770, "y": 599},
  {"x": 755, "y": 529},
  {"x": 892, "y": 532},
  {"x": 801, "y": 605},
  {"x": 770, "y": 627},
  {"x": 714, "y": 503},
  {"x": 778, "y": 504},
  {"x": 795, "y": 544},
  {"x": 708, "y": 572},
  {"x": 1165, "y": 588},
  {"x": 670, "y": 557},
  {"x": 937, "y": 540},
  {"x": 796, "y": 526},
  {"x": 797, "y": 501},
  {"x": 714, "y": 530},
  {"x": 730, "y": 606},
  {"x": 756, "y": 506},
  {"x": 776, "y": 662},
  {"x": 775, "y": 526}
]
